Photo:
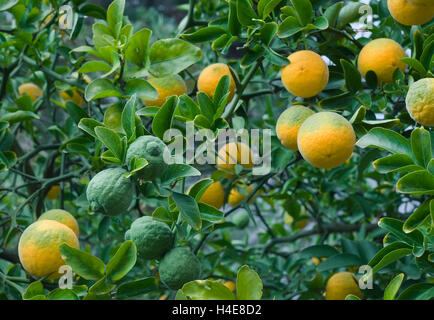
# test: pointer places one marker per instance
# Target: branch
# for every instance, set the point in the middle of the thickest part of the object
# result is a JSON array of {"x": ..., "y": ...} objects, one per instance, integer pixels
[{"x": 342, "y": 228}]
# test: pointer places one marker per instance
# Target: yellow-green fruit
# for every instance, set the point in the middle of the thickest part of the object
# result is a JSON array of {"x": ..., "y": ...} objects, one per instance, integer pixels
[
  {"x": 214, "y": 195},
  {"x": 342, "y": 284},
  {"x": 409, "y": 13},
  {"x": 38, "y": 248},
  {"x": 113, "y": 117},
  {"x": 236, "y": 197},
  {"x": 241, "y": 219},
  {"x": 230, "y": 285},
  {"x": 234, "y": 153},
  {"x": 73, "y": 96},
  {"x": 110, "y": 192},
  {"x": 326, "y": 140},
  {"x": 210, "y": 77},
  {"x": 178, "y": 267},
  {"x": 306, "y": 75},
  {"x": 289, "y": 123},
  {"x": 31, "y": 89},
  {"x": 53, "y": 192},
  {"x": 152, "y": 238},
  {"x": 420, "y": 101},
  {"x": 168, "y": 86},
  {"x": 301, "y": 223},
  {"x": 381, "y": 56},
  {"x": 63, "y": 217}
]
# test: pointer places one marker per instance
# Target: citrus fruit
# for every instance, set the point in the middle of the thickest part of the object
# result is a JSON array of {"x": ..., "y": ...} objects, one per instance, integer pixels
[
  {"x": 178, "y": 267},
  {"x": 230, "y": 285},
  {"x": 342, "y": 284},
  {"x": 152, "y": 149},
  {"x": 410, "y": 13},
  {"x": 32, "y": 90},
  {"x": 241, "y": 219},
  {"x": 381, "y": 56},
  {"x": 236, "y": 197},
  {"x": 289, "y": 123},
  {"x": 63, "y": 217},
  {"x": 234, "y": 153},
  {"x": 326, "y": 140},
  {"x": 301, "y": 223},
  {"x": 214, "y": 195},
  {"x": 420, "y": 101},
  {"x": 172, "y": 85},
  {"x": 113, "y": 117},
  {"x": 53, "y": 192},
  {"x": 306, "y": 75},
  {"x": 152, "y": 238},
  {"x": 210, "y": 77},
  {"x": 73, "y": 96},
  {"x": 316, "y": 261},
  {"x": 110, "y": 192},
  {"x": 38, "y": 248}
]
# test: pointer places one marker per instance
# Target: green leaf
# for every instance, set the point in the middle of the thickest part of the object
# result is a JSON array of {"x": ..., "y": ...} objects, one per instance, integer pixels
[
  {"x": 111, "y": 140},
  {"x": 7, "y": 4},
  {"x": 245, "y": 13},
  {"x": 93, "y": 10},
  {"x": 353, "y": 79},
  {"x": 385, "y": 139},
  {"x": 198, "y": 189},
  {"x": 319, "y": 251},
  {"x": 82, "y": 263},
  {"x": 289, "y": 27},
  {"x": 34, "y": 289},
  {"x": 426, "y": 56},
  {"x": 137, "y": 50},
  {"x": 63, "y": 294},
  {"x": 101, "y": 88},
  {"x": 19, "y": 116},
  {"x": 417, "y": 182},
  {"x": 177, "y": 171},
  {"x": 418, "y": 291},
  {"x": 393, "y": 287},
  {"x": 393, "y": 163},
  {"x": 206, "y": 105},
  {"x": 75, "y": 112},
  {"x": 249, "y": 284},
  {"x": 222, "y": 89},
  {"x": 115, "y": 13},
  {"x": 415, "y": 65},
  {"x": 396, "y": 227},
  {"x": 189, "y": 209},
  {"x": 206, "y": 290},
  {"x": 135, "y": 288},
  {"x": 94, "y": 66},
  {"x": 332, "y": 12},
  {"x": 164, "y": 117},
  {"x": 418, "y": 217},
  {"x": 88, "y": 125},
  {"x": 161, "y": 214},
  {"x": 101, "y": 287},
  {"x": 421, "y": 146},
  {"x": 141, "y": 88},
  {"x": 128, "y": 118},
  {"x": 234, "y": 26},
  {"x": 265, "y": 7},
  {"x": 352, "y": 297},
  {"x": 304, "y": 11},
  {"x": 348, "y": 14},
  {"x": 339, "y": 261},
  {"x": 210, "y": 213},
  {"x": 204, "y": 34},
  {"x": 169, "y": 56},
  {"x": 122, "y": 262}
]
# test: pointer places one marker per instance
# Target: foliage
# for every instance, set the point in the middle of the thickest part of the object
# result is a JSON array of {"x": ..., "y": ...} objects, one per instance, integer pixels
[{"x": 380, "y": 215}]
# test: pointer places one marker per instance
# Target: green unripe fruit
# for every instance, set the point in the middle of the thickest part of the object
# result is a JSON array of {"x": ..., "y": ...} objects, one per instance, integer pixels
[
  {"x": 110, "y": 192},
  {"x": 178, "y": 267},
  {"x": 152, "y": 238},
  {"x": 152, "y": 149},
  {"x": 241, "y": 219}
]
